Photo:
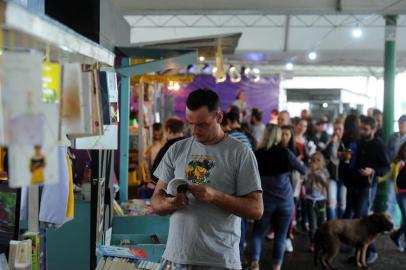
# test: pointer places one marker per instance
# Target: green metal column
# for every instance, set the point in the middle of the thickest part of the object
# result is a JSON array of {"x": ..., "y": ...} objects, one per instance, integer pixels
[
  {"x": 124, "y": 132},
  {"x": 389, "y": 75},
  {"x": 389, "y": 98}
]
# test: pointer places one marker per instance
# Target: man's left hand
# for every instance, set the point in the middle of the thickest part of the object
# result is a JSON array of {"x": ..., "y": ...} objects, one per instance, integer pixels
[
  {"x": 202, "y": 193},
  {"x": 366, "y": 171}
]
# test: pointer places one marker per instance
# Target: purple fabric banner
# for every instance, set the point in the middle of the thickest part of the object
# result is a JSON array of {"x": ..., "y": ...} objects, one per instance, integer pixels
[{"x": 263, "y": 94}]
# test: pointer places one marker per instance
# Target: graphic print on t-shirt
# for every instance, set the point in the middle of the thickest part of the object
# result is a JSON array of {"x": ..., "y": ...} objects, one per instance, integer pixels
[{"x": 199, "y": 169}]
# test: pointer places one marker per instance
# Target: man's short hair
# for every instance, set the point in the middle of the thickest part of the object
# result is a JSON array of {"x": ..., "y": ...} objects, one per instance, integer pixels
[
  {"x": 284, "y": 112},
  {"x": 174, "y": 125},
  {"x": 368, "y": 120},
  {"x": 203, "y": 98},
  {"x": 376, "y": 112},
  {"x": 257, "y": 114},
  {"x": 156, "y": 126},
  {"x": 232, "y": 116}
]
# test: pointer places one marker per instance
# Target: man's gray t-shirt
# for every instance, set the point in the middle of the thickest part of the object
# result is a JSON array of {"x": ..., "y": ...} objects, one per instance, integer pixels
[{"x": 202, "y": 233}]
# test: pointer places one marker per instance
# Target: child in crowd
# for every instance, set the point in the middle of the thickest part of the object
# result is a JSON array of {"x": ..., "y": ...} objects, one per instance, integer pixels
[
  {"x": 316, "y": 186},
  {"x": 397, "y": 172}
]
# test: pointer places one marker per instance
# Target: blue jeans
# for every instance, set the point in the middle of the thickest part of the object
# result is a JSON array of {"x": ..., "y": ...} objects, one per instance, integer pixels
[
  {"x": 244, "y": 227},
  {"x": 358, "y": 202},
  {"x": 401, "y": 198},
  {"x": 392, "y": 201},
  {"x": 337, "y": 193},
  {"x": 316, "y": 214},
  {"x": 279, "y": 213}
]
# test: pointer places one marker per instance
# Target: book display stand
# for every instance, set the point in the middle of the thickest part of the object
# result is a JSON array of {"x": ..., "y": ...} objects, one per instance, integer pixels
[{"x": 75, "y": 245}]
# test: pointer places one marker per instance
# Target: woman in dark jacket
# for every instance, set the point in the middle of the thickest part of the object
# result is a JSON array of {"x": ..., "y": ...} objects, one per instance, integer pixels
[{"x": 275, "y": 162}]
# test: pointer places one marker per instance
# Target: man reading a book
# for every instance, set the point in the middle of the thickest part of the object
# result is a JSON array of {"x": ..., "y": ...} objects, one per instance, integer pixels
[{"x": 223, "y": 185}]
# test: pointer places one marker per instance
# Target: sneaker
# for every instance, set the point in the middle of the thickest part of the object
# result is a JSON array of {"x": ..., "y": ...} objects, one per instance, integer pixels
[
  {"x": 397, "y": 242},
  {"x": 254, "y": 265},
  {"x": 288, "y": 245},
  {"x": 373, "y": 256}
]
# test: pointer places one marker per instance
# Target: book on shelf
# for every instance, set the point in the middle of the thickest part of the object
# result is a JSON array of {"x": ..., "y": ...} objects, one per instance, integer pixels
[
  {"x": 35, "y": 248},
  {"x": 20, "y": 255},
  {"x": 108, "y": 263},
  {"x": 122, "y": 252}
]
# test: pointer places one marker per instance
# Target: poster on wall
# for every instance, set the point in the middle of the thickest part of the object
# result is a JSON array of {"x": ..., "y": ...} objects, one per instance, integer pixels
[
  {"x": 72, "y": 107},
  {"x": 81, "y": 102},
  {"x": 37, "y": 164},
  {"x": 51, "y": 82},
  {"x": 21, "y": 118}
]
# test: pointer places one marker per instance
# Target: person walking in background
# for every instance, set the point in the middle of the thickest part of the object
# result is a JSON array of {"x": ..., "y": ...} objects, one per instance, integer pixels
[
  {"x": 173, "y": 131},
  {"x": 397, "y": 172},
  {"x": 302, "y": 152},
  {"x": 274, "y": 164},
  {"x": 392, "y": 147},
  {"x": 378, "y": 116},
  {"x": 241, "y": 103},
  {"x": 257, "y": 126},
  {"x": 284, "y": 118},
  {"x": 321, "y": 136},
  {"x": 316, "y": 186},
  {"x": 336, "y": 191},
  {"x": 288, "y": 135},
  {"x": 370, "y": 162}
]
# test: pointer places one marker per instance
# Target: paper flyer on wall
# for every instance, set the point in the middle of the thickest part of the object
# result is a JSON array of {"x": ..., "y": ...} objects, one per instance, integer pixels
[
  {"x": 72, "y": 103},
  {"x": 112, "y": 86},
  {"x": 51, "y": 82},
  {"x": 86, "y": 119},
  {"x": 21, "y": 93},
  {"x": 37, "y": 164}
]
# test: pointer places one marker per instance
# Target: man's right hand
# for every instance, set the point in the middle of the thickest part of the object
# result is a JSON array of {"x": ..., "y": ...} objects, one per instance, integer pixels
[
  {"x": 162, "y": 204},
  {"x": 178, "y": 202}
]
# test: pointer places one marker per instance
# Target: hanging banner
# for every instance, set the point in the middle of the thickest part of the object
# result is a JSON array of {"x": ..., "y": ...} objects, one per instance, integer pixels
[
  {"x": 21, "y": 89},
  {"x": 37, "y": 164},
  {"x": 51, "y": 82},
  {"x": 30, "y": 125}
]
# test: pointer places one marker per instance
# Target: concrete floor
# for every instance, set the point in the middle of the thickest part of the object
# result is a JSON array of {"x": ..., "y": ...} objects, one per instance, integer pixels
[{"x": 389, "y": 257}]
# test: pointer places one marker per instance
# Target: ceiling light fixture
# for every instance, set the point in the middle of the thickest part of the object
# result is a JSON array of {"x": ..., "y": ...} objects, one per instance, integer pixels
[
  {"x": 235, "y": 76},
  {"x": 357, "y": 32},
  {"x": 289, "y": 66},
  {"x": 202, "y": 58},
  {"x": 312, "y": 55}
]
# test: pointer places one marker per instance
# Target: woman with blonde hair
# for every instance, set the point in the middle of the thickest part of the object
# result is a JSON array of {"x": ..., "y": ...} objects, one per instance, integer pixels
[{"x": 275, "y": 162}]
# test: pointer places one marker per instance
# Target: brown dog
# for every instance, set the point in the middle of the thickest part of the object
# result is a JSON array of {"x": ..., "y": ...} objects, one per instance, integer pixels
[{"x": 359, "y": 233}]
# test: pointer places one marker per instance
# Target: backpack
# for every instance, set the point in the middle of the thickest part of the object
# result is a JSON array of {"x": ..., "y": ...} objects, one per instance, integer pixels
[{"x": 401, "y": 180}]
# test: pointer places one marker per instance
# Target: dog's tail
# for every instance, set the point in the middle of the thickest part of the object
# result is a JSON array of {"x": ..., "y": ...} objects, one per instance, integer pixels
[{"x": 317, "y": 239}]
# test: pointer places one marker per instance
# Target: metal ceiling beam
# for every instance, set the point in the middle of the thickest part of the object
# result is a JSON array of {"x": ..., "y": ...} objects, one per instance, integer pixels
[
  {"x": 152, "y": 53},
  {"x": 286, "y": 41},
  {"x": 159, "y": 65}
]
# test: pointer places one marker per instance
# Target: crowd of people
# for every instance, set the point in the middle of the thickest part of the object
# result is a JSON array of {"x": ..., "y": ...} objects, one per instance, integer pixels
[{"x": 310, "y": 171}]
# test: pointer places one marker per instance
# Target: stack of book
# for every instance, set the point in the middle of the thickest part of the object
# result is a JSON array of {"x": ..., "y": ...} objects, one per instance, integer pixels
[
  {"x": 108, "y": 263},
  {"x": 27, "y": 254},
  {"x": 20, "y": 255}
]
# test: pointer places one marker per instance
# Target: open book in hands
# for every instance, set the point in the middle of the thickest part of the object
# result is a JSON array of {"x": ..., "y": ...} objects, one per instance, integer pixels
[{"x": 176, "y": 185}]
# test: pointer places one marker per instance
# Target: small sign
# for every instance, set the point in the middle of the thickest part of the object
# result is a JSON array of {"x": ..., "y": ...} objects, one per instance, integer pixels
[{"x": 51, "y": 82}]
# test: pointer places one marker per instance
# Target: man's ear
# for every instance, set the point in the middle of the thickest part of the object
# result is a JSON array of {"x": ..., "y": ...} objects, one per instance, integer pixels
[{"x": 219, "y": 117}]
